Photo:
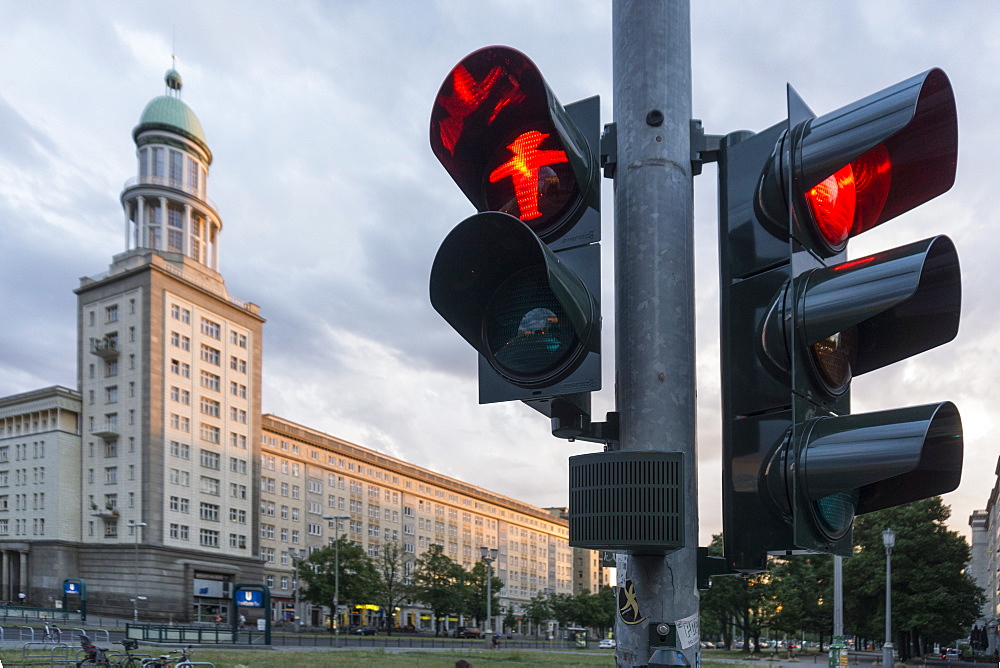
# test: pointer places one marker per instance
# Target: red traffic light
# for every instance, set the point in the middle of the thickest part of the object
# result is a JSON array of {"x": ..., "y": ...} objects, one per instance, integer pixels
[
  {"x": 510, "y": 146},
  {"x": 863, "y": 164}
]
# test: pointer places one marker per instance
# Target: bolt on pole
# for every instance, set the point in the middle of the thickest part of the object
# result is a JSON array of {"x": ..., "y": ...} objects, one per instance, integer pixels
[{"x": 654, "y": 300}]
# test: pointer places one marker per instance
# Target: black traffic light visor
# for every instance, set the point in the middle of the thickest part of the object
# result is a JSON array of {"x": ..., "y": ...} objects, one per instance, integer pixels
[
  {"x": 910, "y": 130},
  {"x": 891, "y": 457}
]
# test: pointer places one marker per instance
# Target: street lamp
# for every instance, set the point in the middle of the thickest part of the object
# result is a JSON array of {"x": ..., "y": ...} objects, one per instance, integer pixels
[
  {"x": 489, "y": 555},
  {"x": 296, "y": 558},
  {"x": 336, "y": 575},
  {"x": 889, "y": 540},
  {"x": 135, "y": 601}
]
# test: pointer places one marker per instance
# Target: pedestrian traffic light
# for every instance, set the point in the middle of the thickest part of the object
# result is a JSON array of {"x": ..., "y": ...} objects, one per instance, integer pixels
[
  {"x": 799, "y": 320},
  {"x": 520, "y": 280}
]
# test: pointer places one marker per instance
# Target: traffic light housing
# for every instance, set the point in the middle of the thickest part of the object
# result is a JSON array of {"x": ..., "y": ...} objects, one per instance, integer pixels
[
  {"x": 520, "y": 280},
  {"x": 799, "y": 320}
]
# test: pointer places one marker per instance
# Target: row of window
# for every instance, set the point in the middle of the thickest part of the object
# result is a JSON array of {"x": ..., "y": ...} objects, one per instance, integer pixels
[
  {"x": 21, "y": 476},
  {"x": 21, "y": 527},
  {"x": 21, "y": 502},
  {"x": 209, "y": 328},
  {"x": 207, "y": 537},
  {"x": 21, "y": 451}
]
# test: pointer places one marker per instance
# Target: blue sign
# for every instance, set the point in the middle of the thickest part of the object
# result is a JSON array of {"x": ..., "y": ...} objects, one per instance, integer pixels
[
  {"x": 249, "y": 598},
  {"x": 71, "y": 588}
]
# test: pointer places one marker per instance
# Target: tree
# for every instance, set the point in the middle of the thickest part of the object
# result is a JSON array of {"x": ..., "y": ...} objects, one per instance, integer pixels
[
  {"x": 474, "y": 592},
  {"x": 803, "y": 591},
  {"x": 933, "y": 599},
  {"x": 595, "y": 610},
  {"x": 538, "y": 610},
  {"x": 509, "y": 618},
  {"x": 357, "y": 574},
  {"x": 390, "y": 586},
  {"x": 563, "y": 608},
  {"x": 437, "y": 583}
]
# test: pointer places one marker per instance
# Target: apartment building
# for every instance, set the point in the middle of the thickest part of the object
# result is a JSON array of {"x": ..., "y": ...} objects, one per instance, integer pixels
[{"x": 159, "y": 482}]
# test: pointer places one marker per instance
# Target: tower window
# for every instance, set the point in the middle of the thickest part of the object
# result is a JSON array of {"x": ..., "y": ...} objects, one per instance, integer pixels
[
  {"x": 176, "y": 160},
  {"x": 192, "y": 175},
  {"x": 156, "y": 155}
]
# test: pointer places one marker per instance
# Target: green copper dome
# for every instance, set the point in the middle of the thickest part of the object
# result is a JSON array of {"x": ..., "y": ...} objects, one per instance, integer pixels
[{"x": 168, "y": 112}]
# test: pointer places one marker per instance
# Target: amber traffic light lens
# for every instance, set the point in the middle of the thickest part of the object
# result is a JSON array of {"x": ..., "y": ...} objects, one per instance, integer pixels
[{"x": 835, "y": 358}]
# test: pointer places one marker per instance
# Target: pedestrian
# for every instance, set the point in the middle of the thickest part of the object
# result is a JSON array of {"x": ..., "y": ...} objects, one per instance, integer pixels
[
  {"x": 496, "y": 641},
  {"x": 243, "y": 621},
  {"x": 218, "y": 619}
]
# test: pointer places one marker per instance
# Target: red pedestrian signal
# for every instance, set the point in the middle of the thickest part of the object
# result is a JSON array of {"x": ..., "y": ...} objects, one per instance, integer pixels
[{"x": 520, "y": 280}]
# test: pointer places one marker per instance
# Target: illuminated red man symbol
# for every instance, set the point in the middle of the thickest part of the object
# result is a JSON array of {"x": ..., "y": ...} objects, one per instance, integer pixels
[{"x": 523, "y": 169}]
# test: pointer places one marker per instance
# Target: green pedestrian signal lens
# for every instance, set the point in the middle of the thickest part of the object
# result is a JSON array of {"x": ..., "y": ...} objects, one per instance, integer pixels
[{"x": 527, "y": 331}]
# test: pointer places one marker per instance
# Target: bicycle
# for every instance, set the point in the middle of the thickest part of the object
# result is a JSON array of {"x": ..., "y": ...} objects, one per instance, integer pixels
[
  {"x": 129, "y": 660},
  {"x": 52, "y": 634},
  {"x": 94, "y": 655},
  {"x": 167, "y": 660}
]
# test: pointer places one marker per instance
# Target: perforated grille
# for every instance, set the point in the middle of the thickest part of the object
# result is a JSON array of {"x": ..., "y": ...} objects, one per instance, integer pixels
[{"x": 626, "y": 500}]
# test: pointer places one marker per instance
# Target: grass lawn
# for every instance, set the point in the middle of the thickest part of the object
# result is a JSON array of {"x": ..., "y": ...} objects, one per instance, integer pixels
[{"x": 409, "y": 659}]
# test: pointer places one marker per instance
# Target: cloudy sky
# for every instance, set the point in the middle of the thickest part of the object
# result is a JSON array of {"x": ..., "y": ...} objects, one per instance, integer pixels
[{"x": 334, "y": 206}]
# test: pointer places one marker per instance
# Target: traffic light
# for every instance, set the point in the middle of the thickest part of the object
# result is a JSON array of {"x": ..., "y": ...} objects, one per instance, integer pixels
[
  {"x": 520, "y": 280},
  {"x": 799, "y": 320}
]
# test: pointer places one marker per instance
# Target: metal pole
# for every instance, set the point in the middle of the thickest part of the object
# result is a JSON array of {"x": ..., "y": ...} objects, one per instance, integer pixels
[
  {"x": 887, "y": 656},
  {"x": 654, "y": 303},
  {"x": 336, "y": 591},
  {"x": 838, "y": 598},
  {"x": 135, "y": 602},
  {"x": 489, "y": 595}
]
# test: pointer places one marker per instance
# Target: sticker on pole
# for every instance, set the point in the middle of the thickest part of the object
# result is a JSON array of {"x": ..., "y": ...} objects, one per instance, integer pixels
[
  {"x": 688, "y": 631},
  {"x": 628, "y": 606}
]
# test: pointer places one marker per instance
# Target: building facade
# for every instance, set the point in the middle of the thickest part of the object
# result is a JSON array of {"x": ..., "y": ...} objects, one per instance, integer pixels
[
  {"x": 984, "y": 564},
  {"x": 160, "y": 483}
]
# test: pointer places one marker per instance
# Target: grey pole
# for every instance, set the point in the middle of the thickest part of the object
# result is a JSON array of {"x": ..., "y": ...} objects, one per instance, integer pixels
[
  {"x": 889, "y": 540},
  {"x": 838, "y": 598},
  {"x": 654, "y": 283}
]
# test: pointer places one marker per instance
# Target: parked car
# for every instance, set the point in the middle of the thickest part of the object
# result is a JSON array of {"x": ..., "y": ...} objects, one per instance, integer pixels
[
  {"x": 607, "y": 643},
  {"x": 468, "y": 632},
  {"x": 951, "y": 654},
  {"x": 363, "y": 631}
]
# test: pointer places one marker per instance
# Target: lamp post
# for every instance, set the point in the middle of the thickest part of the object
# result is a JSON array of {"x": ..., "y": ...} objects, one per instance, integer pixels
[
  {"x": 296, "y": 558},
  {"x": 336, "y": 576},
  {"x": 889, "y": 540},
  {"x": 135, "y": 601},
  {"x": 489, "y": 556}
]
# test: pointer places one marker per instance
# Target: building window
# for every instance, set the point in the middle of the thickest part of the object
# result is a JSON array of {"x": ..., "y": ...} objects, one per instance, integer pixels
[
  {"x": 209, "y": 512},
  {"x": 176, "y": 162},
  {"x": 210, "y": 460},
  {"x": 210, "y": 354},
  {"x": 210, "y": 407},
  {"x": 180, "y": 396},
  {"x": 210, "y": 381},
  {"x": 182, "y": 450},
  {"x": 210, "y": 486},
  {"x": 212, "y": 329},
  {"x": 112, "y": 313},
  {"x": 238, "y": 339},
  {"x": 110, "y": 368},
  {"x": 210, "y": 433},
  {"x": 237, "y": 364},
  {"x": 181, "y": 314},
  {"x": 180, "y": 368},
  {"x": 209, "y": 538},
  {"x": 180, "y": 341}
]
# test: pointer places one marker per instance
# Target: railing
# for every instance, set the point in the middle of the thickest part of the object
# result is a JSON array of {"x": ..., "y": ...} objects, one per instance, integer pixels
[
  {"x": 106, "y": 347},
  {"x": 171, "y": 183},
  {"x": 163, "y": 633},
  {"x": 23, "y": 612}
]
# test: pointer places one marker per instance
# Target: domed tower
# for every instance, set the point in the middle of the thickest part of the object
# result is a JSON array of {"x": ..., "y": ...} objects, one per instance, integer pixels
[{"x": 166, "y": 206}]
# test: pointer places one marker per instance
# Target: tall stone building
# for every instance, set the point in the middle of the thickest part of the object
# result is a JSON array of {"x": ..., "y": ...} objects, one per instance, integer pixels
[{"x": 158, "y": 481}]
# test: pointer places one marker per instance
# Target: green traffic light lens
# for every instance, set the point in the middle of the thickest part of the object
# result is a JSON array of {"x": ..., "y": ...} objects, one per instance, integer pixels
[
  {"x": 836, "y": 512},
  {"x": 528, "y": 333}
]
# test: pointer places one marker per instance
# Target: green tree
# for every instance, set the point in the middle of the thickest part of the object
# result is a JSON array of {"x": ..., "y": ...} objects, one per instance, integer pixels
[
  {"x": 933, "y": 599},
  {"x": 357, "y": 574},
  {"x": 563, "y": 608},
  {"x": 724, "y": 601},
  {"x": 474, "y": 593},
  {"x": 595, "y": 610},
  {"x": 437, "y": 583},
  {"x": 509, "y": 618},
  {"x": 390, "y": 586},
  {"x": 538, "y": 611},
  {"x": 803, "y": 592}
]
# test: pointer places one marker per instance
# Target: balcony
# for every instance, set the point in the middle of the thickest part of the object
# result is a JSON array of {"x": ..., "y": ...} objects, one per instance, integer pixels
[
  {"x": 108, "y": 431},
  {"x": 106, "y": 347}
]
